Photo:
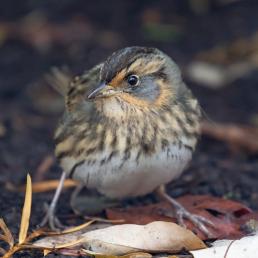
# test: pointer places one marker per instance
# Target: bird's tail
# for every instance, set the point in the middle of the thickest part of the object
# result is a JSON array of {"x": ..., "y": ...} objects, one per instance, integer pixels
[{"x": 59, "y": 79}]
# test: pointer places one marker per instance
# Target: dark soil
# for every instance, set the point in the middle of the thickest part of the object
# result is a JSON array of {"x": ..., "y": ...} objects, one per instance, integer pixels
[{"x": 30, "y": 110}]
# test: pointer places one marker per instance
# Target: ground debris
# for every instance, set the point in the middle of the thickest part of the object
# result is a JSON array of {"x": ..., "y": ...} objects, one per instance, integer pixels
[{"x": 238, "y": 137}]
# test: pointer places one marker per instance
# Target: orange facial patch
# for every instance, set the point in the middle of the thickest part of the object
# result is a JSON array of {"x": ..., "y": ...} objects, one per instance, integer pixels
[
  {"x": 163, "y": 98},
  {"x": 119, "y": 77},
  {"x": 134, "y": 100}
]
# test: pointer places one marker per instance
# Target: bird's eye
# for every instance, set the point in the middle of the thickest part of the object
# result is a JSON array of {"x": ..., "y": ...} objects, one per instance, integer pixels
[{"x": 133, "y": 80}]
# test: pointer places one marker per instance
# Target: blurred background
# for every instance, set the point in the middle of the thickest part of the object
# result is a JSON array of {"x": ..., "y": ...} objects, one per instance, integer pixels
[{"x": 215, "y": 42}]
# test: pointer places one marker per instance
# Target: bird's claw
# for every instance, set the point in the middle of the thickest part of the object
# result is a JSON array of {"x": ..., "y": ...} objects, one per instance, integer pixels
[
  {"x": 199, "y": 221},
  {"x": 51, "y": 220}
]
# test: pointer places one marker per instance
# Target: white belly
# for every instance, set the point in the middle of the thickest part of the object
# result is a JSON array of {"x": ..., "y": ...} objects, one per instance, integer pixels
[{"x": 133, "y": 179}]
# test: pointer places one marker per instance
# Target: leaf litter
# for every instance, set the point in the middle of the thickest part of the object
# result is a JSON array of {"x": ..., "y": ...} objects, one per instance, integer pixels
[
  {"x": 114, "y": 240},
  {"x": 126, "y": 240}
]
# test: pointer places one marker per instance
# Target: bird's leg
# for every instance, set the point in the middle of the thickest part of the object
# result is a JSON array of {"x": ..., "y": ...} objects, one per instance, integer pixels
[
  {"x": 50, "y": 217},
  {"x": 74, "y": 195},
  {"x": 91, "y": 204},
  {"x": 182, "y": 213}
]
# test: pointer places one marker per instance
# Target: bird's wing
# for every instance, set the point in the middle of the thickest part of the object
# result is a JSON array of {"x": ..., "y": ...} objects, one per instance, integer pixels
[
  {"x": 59, "y": 79},
  {"x": 74, "y": 89},
  {"x": 81, "y": 86}
]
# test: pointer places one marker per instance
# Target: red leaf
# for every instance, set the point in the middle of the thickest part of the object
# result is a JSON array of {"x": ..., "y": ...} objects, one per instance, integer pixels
[{"x": 225, "y": 214}]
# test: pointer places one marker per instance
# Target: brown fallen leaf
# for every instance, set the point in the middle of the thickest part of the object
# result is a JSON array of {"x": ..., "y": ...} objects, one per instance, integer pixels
[
  {"x": 225, "y": 214},
  {"x": 238, "y": 137}
]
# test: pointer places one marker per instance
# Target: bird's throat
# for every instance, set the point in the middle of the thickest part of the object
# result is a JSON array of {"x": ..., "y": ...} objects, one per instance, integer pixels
[{"x": 116, "y": 108}]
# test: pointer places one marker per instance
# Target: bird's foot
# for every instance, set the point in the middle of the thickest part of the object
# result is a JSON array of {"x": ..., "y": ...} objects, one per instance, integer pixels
[
  {"x": 181, "y": 213},
  {"x": 51, "y": 220},
  {"x": 200, "y": 222}
]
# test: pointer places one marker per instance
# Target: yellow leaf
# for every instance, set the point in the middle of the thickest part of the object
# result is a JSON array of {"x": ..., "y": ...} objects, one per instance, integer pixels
[
  {"x": 26, "y": 211},
  {"x": 77, "y": 228}
]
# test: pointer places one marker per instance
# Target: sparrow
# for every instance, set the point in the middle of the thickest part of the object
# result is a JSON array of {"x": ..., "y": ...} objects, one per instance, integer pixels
[{"x": 130, "y": 127}]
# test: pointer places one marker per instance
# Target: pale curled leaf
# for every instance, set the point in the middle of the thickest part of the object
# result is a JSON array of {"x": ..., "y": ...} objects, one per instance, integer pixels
[
  {"x": 154, "y": 237},
  {"x": 158, "y": 236},
  {"x": 26, "y": 212}
]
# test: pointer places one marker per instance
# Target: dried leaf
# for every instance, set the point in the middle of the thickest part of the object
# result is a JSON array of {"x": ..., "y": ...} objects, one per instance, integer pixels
[
  {"x": 12, "y": 251},
  {"x": 64, "y": 239},
  {"x": 158, "y": 236},
  {"x": 26, "y": 212},
  {"x": 149, "y": 213},
  {"x": 44, "y": 186},
  {"x": 225, "y": 214},
  {"x": 155, "y": 237},
  {"x": 50, "y": 185},
  {"x": 8, "y": 237},
  {"x": 37, "y": 233},
  {"x": 77, "y": 228}
]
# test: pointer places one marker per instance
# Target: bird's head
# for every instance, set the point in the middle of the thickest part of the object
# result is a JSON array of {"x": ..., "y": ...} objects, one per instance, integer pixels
[{"x": 138, "y": 76}]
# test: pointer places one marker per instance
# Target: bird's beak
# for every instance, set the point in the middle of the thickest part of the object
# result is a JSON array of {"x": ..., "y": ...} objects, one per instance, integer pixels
[{"x": 104, "y": 90}]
